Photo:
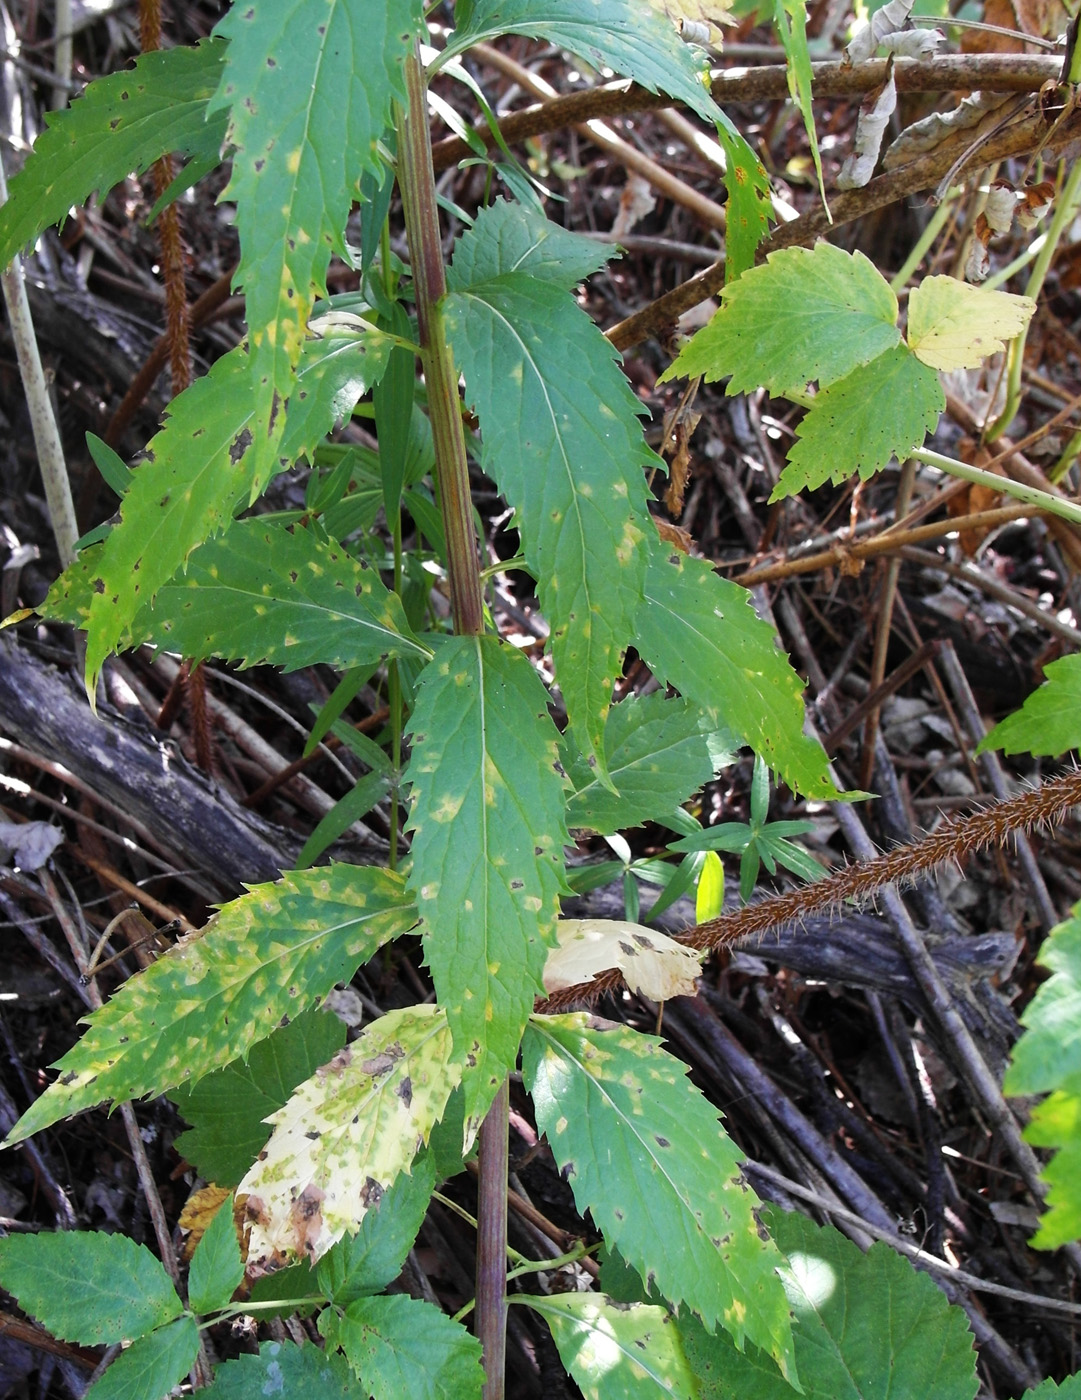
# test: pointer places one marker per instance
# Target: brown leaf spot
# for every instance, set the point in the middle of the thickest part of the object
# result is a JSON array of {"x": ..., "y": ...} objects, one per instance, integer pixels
[
  {"x": 371, "y": 1193},
  {"x": 405, "y": 1091}
]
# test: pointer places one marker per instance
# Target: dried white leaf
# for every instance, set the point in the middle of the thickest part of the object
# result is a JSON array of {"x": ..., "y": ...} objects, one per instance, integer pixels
[
  {"x": 867, "y": 36},
  {"x": 912, "y": 43},
  {"x": 978, "y": 263},
  {"x": 651, "y": 963},
  {"x": 1000, "y": 206},
  {"x": 1036, "y": 202},
  {"x": 875, "y": 112},
  {"x": 925, "y": 135},
  {"x": 635, "y": 203}
]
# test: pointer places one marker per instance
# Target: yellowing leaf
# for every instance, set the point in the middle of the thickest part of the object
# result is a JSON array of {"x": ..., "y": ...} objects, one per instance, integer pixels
[
  {"x": 699, "y": 21},
  {"x": 199, "y": 1210},
  {"x": 651, "y": 963},
  {"x": 954, "y": 326},
  {"x": 346, "y": 1134}
]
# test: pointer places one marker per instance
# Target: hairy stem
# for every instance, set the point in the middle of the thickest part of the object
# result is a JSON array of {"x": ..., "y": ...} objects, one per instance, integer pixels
[{"x": 417, "y": 182}]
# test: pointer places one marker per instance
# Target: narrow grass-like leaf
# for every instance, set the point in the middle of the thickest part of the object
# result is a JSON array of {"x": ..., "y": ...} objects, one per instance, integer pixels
[
  {"x": 658, "y": 754},
  {"x": 749, "y": 206},
  {"x": 882, "y": 409},
  {"x": 622, "y": 34},
  {"x": 1047, "y": 1060},
  {"x": 119, "y": 126},
  {"x": 699, "y": 633},
  {"x": 198, "y": 472},
  {"x": 227, "y": 1108},
  {"x": 790, "y": 22},
  {"x": 864, "y": 1325},
  {"x": 310, "y": 91},
  {"x": 400, "y": 1346},
  {"x": 88, "y": 1287},
  {"x": 488, "y": 832},
  {"x": 268, "y": 594},
  {"x": 806, "y": 314},
  {"x": 268, "y": 954},
  {"x": 1049, "y": 722},
  {"x": 645, "y": 1154},
  {"x": 283, "y": 1369},
  {"x": 617, "y": 1351},
  {"x": 560, "y": 436},
  {"x": 368, "y": 1261},
  {"x": 216, "y": 1266},
  {"x": 152, "y": 1365},
  {"x": 346, "y": 1134}
]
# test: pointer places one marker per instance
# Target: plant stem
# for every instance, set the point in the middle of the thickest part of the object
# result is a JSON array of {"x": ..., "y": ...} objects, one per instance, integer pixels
[
  {"x": 417, "y": 182},
  {"x": 1055, "y": 505}
]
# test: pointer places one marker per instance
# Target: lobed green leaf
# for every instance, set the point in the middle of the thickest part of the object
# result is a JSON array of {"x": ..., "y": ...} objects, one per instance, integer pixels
[
  {"x": 880, "y": 410},
  {"x": 152, "y": 1365},
  {"x": 401, "y": 1346},
  {"x": 310, "y": 90},
  {"x": 805, "y": 314},
  {"x": 88, "y": 1287},
  {"x": 265, "y": 956},
  {"x": 346, "y": 1134},
  {"x": 645, "y": 1154},
  {"x": 617, "y": 1351},
  {"x": 560, "y": 436},
  {"x": 863, "y": 1324},
  {"x": 699, "y": 633},
  {"x": 1049, "y": 722},
  {"x": 488, "y": 832},
  {"x": 120, "y": 125}
]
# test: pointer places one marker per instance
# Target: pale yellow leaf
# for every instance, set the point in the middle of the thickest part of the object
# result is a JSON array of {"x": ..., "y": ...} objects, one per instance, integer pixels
[
  {"x": 954, "y": 326},
  {"x": 344, "y": 1136},
  {"x": 651, "y": 963},
  {"x": 699, "y": 21}
]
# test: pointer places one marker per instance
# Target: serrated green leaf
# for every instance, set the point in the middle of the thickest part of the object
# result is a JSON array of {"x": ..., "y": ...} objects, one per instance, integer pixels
[
  {"x": 285, "y": 1370},
  {"x": 152, "y": 1365},
  {"x": 310, "y": 90},
  {"x": 952, "y": 325},
  {"x": 790, "y": 22},
  {"x": 699, "y": 633},
  {"x": 119, "y": 125},
  {"x": 560, "y": 436},
  {"x": 645, "y": 1154},
  {"x": 216, "y": 1266},
  {"x": 268, "y": 954},
  {"x": 294, "y": 1289},
  {"x": 617, "y": 1351},
  {"x": 346, "y": 1134},
  {"x": 881, "y": 410},
  {"x": 1049, "y": 722},
  {"x": 1069, "y": 1389},
  {"x": 87, "y": 1287},
  {"x": 806, "y": 314},
  {"x": 621, "y": 34},
  {"x": 1047, "y": 1060},
  {"x": 865, "y": 1327},
  {"x": 371, "y": 1259},
  {"x": 227, "y": 1108},
  {"x": 488, "y": 832},
  {"x": 400, "y": 1346},
  {"x": 199, "y": 471},
  {"x": 270, "y": 594},
  {"x": 657, "y": 753},
  {"x": 750, "y": 202}
]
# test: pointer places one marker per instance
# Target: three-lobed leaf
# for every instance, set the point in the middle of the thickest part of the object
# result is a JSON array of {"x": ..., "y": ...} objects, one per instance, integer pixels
[
  {"x": 310, "y": 92},
  {"x": 401, "y": 1346},
  {"x": 863, "y": 1325},
  {"x": 346, "y": 1134},
  {"x": 617, "y": 1351},
  {"x": 268, "y": 954},
  {"x": 488, "y": 831},
  {"x": 1049, "y": 722},
  {"x": 646, "y": 1155},
  {"x": 120, "y": 125},
  {"x": 88, "y": 1287},
  {"x": 805, "y": 314},
  {"x": 880, "y": 410}
]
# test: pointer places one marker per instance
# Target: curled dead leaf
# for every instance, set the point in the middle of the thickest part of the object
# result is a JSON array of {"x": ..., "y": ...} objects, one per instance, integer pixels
[{"x": 651, "y": 963}]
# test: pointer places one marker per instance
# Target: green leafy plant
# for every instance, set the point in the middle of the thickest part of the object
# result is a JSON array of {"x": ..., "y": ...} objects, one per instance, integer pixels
[{"x": 317, "y": 108}]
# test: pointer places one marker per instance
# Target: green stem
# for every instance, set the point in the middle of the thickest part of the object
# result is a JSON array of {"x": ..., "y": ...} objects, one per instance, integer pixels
[
  {"x": 1031, "y": 495},
  {"x": 935, "y": 225},
  {"x": 417, "y": 183},
  {"x": 1065, "y": 209}
]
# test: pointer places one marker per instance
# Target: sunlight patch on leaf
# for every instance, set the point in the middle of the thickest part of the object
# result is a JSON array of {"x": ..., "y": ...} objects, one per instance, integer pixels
[
  {"x": 651, "y": 963},
  {"x": 402, "y": 1347},
  {"x": 268, "y": 954},
  {"x": 346, "y": 1134},
  {"x": 952, "y": 325}
]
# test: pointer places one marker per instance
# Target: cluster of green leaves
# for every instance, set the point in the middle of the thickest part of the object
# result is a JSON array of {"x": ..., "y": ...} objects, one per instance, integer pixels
[{"x": 336, "y": 1149}]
